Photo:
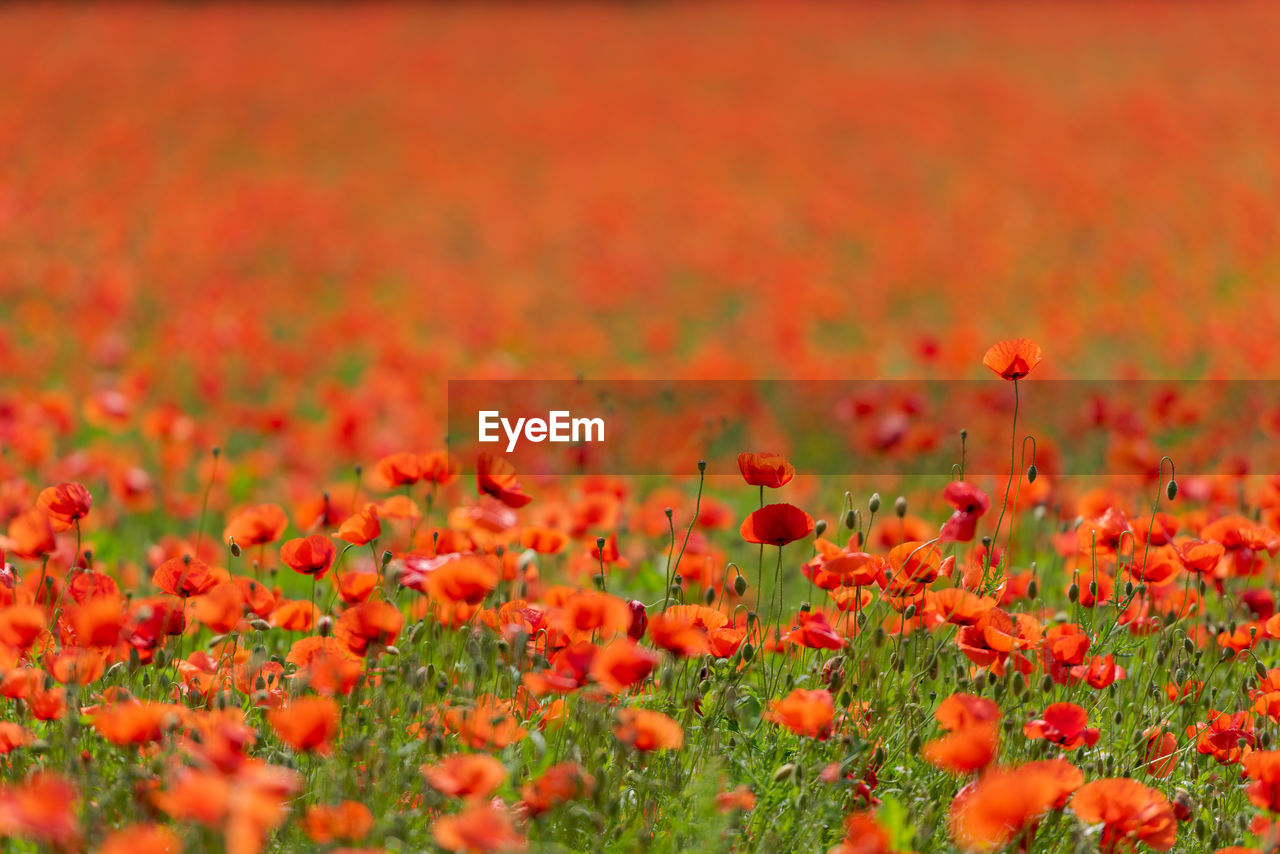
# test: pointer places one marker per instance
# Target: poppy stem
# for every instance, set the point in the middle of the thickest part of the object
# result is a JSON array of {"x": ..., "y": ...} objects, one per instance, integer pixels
[
  {"x": 1013, "y": 456},
  {"x": 204, "y": 504}
]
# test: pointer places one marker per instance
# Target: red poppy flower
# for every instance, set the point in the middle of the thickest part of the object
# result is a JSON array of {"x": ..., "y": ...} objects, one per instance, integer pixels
[
  {"x": 765, "y": 469},
  {"x": 1128, "y": 811},
  {"x": 311, "y": 555},
  {"x": 969, "y": 503},
  {"x": 777, "y": 525},
  {"x": 496, "y": 476},
  {"x": 66, "y": 504},
  {"x": 1063, "y": 724}
]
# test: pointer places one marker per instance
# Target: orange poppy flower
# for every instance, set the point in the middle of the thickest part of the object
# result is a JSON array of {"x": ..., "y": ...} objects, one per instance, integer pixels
[
  {"x": 256, "y": 526},
  {"x": 496, "y": 476},
  {"x": 478, "y": 829},
  {"x": 807, "y": 713},
  {"x": 1161, "y": 752},
  {"x": 1013, "y": 359},
  {"x": 1128, "y": 812},
  {"x": 371, "y": 622},
  {"x": 466, "y": 775},
  {"x": 646, "y": 730},
  {"x": 1062, "y": 724},
  {"x": 13, "y": 735},
  {"x": 400, "y": 469},
  {"x": 98, "y": 621},
  {"x": 765, "y": 469},
  {"x": 136, "y": 722},
  {"x": 622, "y": 664},
  {"x": 221, "y": 608},
  {"x": 992, "y": 811},
  {"x": 487, "y": 725},
  {"x": 777, "y": 525},
  {"x": 591, "y": 614},
  {"x": 349, "y": 821},
  {"x": 141, "y": 839},
  {"x": 560, "y": 783},
  {"x": 307, "y": 724},
  {"x": 543, "y": 540},
  {"x": 66, "y": 504},
  {"x": 187, "y": 576},
  {"x": 311, "y": 555},
  {"x": 362, "y": 528},
  {"x": 21, "y": 625},
  {"x": 44, "y": 809},
  {"x": 467, "y": 580},
  {"x": 298, "y": 615},
  {"x": 972, "y": 738},
  {"x": 1228, "y": 738},
  {"x": 740, "y": 799},
  {"x": 31, "y": 534}
]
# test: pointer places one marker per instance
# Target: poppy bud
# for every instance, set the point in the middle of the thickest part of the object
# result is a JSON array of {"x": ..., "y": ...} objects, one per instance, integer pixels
[
  {"x": 1033, "y": 589},
  {"x": 1226, "y": 654},
  {"x": 979, "y": 680},
  {"x": 910, "y": 612},
  {"x": 820, "y": 527},
  {"x": 1172, "y": 490},
  {"x": 740, "y": 585},
  {"x": 160, "y": 658},
  {"x": 709, "y": 595},
  {"x": 668, "y": 512},
  {"x": 900, "y": 506},
  {"x": 1031, "y": 473},
  {"x": 1093, "y": 589},
  {"x": 235, "y": 549},
  {"x": 702, "y": 466},
  {"x": 599, "y": 544},
  {"x": 324, "y": 626},
  {"x": 1073, "y": 592},
  {"x": 639, "y": 619},
  {"x": 1046, "y": 683},
  {"x": 784, "y": 772},
  {"x": 748, "y": 651},
  {"x": 805, "y": 607},
  {"x": 851, "y": 519},
  {"x": 874, "y": 504},
  {"x": 260, "y": 625},
  {"x": 386, "y": 557}
]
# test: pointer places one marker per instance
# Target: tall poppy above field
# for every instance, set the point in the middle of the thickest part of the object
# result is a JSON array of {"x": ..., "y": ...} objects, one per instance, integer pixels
[
  {"x": 1013, "y": 359},
  {"x": 765, "y": 469}
]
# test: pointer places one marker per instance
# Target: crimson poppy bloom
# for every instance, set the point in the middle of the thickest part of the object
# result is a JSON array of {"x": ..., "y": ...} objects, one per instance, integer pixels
[{"x": 777, "y": 525}]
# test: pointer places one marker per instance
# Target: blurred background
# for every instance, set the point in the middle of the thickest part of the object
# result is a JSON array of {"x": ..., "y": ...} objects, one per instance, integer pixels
[{"x": 308, "y": 219}]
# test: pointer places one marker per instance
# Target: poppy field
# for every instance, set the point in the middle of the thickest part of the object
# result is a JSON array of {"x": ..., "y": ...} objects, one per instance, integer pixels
[{"x": 258, "y": 593}]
